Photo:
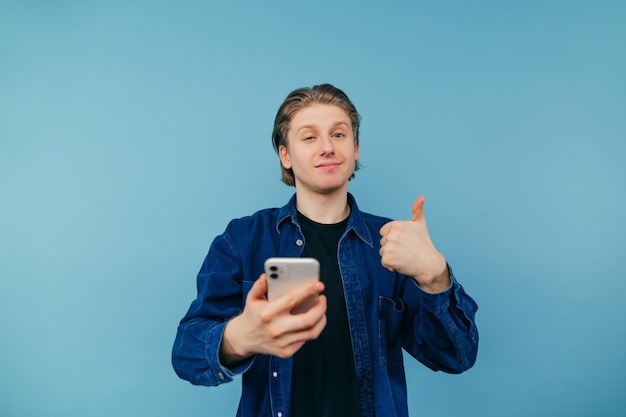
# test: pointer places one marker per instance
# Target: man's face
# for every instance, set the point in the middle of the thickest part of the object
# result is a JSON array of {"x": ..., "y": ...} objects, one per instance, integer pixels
[{"x": 321, "y": 149}]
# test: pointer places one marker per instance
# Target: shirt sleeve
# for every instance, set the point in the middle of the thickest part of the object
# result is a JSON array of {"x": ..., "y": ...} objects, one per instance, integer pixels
[
  {"x": 440, "y": 329},
  {"x": 195, "y": 355}
]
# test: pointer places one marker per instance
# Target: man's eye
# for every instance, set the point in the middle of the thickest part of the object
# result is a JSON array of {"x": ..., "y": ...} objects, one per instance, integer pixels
[{"x": 338, "y": 135}]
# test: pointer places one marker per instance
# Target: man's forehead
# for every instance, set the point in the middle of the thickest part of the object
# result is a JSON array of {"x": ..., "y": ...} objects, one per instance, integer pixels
[{"x": 320, "y": 114}]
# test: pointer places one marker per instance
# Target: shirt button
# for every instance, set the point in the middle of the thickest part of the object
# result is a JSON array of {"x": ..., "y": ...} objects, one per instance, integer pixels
[
  {"x": 275, "y": 374},
  {"x": 221, "y": 375},
  {"x": 279, "y": 414},
  {"x": 299, "y": 242}
]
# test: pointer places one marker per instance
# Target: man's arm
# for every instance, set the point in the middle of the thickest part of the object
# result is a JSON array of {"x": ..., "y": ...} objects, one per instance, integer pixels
[
  {"x": 439, "y": 321},
  {"x": 195, "y": 354},
  {"x": 217, "y": 340},
  {"x": 440, "y": 329}
]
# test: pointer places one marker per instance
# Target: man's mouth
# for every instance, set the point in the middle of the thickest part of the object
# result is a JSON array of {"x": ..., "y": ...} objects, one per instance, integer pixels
[{"x": 328, "y": 164}]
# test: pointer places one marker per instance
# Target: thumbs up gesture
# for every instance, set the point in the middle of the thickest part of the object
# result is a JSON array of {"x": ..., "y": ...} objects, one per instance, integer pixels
[{"x": 405, "y": 247}]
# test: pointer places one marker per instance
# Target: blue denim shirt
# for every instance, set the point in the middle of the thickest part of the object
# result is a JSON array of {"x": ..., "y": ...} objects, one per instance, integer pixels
[{"x": 387, "y": 312}]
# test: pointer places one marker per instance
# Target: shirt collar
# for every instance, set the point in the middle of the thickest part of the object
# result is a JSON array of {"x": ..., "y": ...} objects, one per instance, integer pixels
[{"x": 355, "y": 223}]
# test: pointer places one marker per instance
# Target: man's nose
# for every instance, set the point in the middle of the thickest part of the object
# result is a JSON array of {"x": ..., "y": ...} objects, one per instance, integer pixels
[{"x": 327, "y": 145}]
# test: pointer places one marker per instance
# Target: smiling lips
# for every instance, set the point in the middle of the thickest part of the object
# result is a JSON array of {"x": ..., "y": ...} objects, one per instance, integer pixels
[{"x": 327, "y": 164}]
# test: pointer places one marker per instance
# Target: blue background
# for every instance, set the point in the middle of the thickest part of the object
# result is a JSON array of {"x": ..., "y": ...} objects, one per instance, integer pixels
[{"x": 132, "y": 132}]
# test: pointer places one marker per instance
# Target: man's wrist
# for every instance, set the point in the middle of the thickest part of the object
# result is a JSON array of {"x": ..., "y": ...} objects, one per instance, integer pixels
[
  {"x": 230, "y": 351},
  {"x": 437, "y": 283}
]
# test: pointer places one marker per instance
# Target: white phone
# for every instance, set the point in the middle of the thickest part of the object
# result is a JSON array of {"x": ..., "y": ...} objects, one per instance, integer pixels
[{"x": 285, "y": 274}]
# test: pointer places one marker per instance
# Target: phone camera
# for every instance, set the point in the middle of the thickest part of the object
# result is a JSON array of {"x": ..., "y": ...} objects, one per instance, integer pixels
[
  {"x": 274, "y": 275},
  {"x": 273, "y": 268}
]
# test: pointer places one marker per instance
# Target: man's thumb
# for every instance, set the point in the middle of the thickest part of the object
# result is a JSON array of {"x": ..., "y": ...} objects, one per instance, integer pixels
[
  {"x": 259, "y": 288},
  {"x": 418, "y": 209}
]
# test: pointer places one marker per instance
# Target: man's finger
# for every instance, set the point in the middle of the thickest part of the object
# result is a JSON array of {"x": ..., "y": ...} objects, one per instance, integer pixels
[
  {"x": 259, "y": 288},
  {"x": 296, "y": 296},
  {"x": 288, "y": 325},
  {"x": 418, "y": 209},
  {"x": 384, "y": 230}
]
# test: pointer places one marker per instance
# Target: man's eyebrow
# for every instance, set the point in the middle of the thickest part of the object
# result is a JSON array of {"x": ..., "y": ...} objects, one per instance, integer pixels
[
  {"x": 314, "y": 126},
  {"x": 305, "y": 127},
  {"x": 346, "y": 124}
]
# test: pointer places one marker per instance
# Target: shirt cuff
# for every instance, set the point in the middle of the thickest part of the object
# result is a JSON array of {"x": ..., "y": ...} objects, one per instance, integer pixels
[
  {"x": 220, "y": 372},
  {"x": 438, "y": 301}
]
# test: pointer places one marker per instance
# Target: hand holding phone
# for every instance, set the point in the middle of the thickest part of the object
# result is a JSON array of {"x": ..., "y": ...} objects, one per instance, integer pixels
[
  {"x": 272, "y": 328},
  {"x": 286, "y": 274}
]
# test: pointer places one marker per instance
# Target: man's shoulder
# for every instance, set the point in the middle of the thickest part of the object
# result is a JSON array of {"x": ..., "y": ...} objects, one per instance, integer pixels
[
  {"x": 260, "y": 217},
  {"x": 372, "y": 223},
  {"x": 373, "y": 219}
]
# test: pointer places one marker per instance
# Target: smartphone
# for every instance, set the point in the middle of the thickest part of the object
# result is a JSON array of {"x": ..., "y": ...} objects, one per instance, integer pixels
[{"x": 285, "y": 274}]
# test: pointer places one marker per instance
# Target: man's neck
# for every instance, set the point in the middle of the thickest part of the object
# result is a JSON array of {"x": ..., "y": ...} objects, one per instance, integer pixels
[{"x": 323, "y": 208}]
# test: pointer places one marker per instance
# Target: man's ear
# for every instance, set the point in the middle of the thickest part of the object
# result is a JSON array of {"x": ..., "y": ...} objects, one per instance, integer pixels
[{"x": 284, "y": 157}]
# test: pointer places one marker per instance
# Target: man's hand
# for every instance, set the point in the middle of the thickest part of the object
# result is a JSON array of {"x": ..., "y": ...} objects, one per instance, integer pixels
[
  {"x": 406, "y": 248},
  {"x": 269, "y": 327}
]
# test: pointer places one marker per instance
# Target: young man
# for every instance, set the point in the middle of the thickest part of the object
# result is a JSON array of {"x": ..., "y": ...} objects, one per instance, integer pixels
[{"x": 384, "y": 287}]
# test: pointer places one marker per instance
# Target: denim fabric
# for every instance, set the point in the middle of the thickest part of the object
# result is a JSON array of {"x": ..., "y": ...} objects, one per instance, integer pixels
[{"x": 387, "y": 312}]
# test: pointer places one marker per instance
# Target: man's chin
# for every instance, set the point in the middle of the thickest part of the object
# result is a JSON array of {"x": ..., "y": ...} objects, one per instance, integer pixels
[{"x": 328, "y": 189}]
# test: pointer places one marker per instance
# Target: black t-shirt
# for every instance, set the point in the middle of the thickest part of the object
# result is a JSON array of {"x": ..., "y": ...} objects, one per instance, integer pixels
[{"x": 324, "y": 380}]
